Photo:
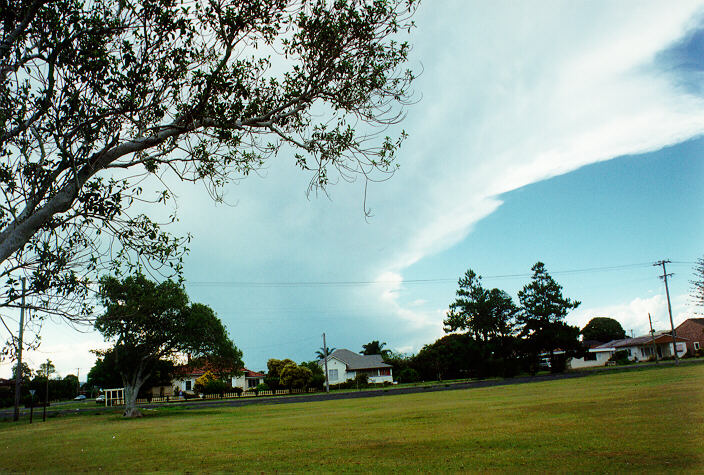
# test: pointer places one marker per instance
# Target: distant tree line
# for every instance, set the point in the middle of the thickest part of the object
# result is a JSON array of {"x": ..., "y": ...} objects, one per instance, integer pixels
[
  {"x": 490, "y": 335},
  {"x": 59, "y": 388}
]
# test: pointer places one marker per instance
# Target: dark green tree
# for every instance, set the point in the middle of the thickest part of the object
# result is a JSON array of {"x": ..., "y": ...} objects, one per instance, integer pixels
[
  {"x": 603, "y": 329},
  {"x": 295, "y": 376},
  {"x": 543, "y": 311},
  {"x": 321, "y": 352},
  {"x": 317, "y": 374},
  {"x": 105, "y": 373},
  {"x": 26, "y": 373},
  {"x": 103, "y": 100},
  {"x": 46, "y": 369},
  {"x": 274, "y": 367},
  {"x": 484, "y": 313},
  {"x": 150, "y": 322},
  {"x": 450, "y": 357},
  {"x": 374, "y": 347}
]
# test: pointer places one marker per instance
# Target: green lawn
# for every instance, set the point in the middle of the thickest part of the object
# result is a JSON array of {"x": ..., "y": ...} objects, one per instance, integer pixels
[{"x": 648, "y": 420}]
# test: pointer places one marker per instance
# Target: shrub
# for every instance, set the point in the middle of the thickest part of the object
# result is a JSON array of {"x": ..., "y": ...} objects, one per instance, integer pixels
[
  {"x": 237, "y": 390},
  {"x": 408, "y": 375},
  {"x": 620, "y": 357},
  {"x": 361, "y": 380}
]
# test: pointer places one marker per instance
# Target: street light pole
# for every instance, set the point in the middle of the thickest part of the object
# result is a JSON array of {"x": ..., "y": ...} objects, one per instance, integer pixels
[{"x": 18, "y": 376}]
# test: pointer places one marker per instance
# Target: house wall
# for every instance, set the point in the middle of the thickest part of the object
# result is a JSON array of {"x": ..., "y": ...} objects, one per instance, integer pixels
[
  {"x": 161, "y": 391},
  {"x": 665, "y": 350},
  {"x": 245, "y": 382},
  {"x": 180, "y": 383},
  {"x": 342, "y": 373},
  {"x": 601, "y": 358},
  {"x": 694, "y": 332}
]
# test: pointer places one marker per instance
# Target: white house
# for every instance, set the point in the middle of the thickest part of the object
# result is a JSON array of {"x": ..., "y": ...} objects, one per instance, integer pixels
[
  {"x": 344, "y": 365},
  {"x": 641, "y": 348},
  {"x": 186, "y": 376}
]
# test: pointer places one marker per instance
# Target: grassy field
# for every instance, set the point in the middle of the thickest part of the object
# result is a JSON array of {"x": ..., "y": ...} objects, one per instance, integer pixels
[{"x": 648, "y": 420}]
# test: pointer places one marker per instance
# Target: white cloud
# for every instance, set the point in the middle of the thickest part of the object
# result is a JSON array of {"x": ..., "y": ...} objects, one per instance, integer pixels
[
  {"x": 633, "y": 315},
  {"x": 512, "y": 93}
]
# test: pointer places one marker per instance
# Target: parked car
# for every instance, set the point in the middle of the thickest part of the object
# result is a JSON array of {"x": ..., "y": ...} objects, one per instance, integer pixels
[
  {"x": 100, "y": 399},
  {"x": 80, "y": 397}
]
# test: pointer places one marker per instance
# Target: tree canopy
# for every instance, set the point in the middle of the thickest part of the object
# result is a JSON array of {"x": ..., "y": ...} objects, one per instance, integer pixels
[
  {"x": 603, "y": 329},
  {"x": 320, "y": 353},
  {"x": 150, "y": 322},
  {"x": 374, "y": 347},
  {"x": 295, "y": 376},
  {"x": 103, "y": 102},
  {"x": 484, "y": 313},
  {"x": 543, "y": 311}
]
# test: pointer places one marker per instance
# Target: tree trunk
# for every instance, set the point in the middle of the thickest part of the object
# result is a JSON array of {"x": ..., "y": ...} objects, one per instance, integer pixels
[{"x": 131, "y": 390}]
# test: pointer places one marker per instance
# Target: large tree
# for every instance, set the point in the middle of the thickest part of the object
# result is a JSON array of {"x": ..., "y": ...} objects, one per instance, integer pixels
[
  {"x": 375, "y": 347},
  {"x": 150, "y": 322},
  {"x": 603, "y": 329},
  {"x": 104, "y": 102},
  {"x": 484, "y": 313},
  {"x": 542, "y": 316}
]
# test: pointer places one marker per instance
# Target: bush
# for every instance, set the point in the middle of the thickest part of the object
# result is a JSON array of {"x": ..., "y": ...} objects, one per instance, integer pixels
[
  {"x": 408, "y": 375},
  {"x": 237, "y": 390},
  {"x": 558, "y": 364},
  {"x": 216, "y": 387},
  {"x": 262, "y": 387},
  {"x": 620, "y": 357},
  {"x": 361, "y": 380}
]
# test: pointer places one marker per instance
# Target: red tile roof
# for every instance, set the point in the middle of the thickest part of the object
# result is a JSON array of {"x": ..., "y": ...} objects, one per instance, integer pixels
[{"x": 187, "y": 370}]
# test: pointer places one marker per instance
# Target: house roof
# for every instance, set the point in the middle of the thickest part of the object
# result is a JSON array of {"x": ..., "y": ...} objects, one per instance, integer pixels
[
  {"x": 197, "y": 372},
  {"x": 252, "y": 374},
  {"x": 640, "y": 340},
  {"x": 698, "y": 321},
  {"x": 356, "y": 361},
  {"x": 591, "y": 343}
]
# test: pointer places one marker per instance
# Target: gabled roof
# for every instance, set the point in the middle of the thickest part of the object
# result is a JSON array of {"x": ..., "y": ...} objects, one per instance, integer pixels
[
  {"x": 252, "y": 374},
  {"x": 640, "y": 340},
  {"x": 356, "y": 361},
  {"x": 198, "y": 371},
  {"x": 698, "y": 321}
]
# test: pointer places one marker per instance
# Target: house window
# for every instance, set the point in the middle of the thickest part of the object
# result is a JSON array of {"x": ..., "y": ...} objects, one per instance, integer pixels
[
  {"x": 332, "y": 374},
  {"x": 590, "y": 356},
  {"x": 696, "y": 346},
  {"x": 385, "y": 372},
  {"x": 252, "y": 383},
  {"x": 188, "y": 385}
]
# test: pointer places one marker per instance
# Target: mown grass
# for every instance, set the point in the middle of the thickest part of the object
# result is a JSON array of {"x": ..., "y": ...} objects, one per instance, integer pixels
[{"x": 648, "y": 420}]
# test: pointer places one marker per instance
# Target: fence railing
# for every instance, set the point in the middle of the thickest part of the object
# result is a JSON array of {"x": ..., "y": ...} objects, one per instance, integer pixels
[{"x": 231, "y": 395}]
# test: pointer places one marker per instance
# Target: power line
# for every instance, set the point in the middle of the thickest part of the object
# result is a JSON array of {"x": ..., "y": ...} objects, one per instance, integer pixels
[{"x": 357, "y": 283}]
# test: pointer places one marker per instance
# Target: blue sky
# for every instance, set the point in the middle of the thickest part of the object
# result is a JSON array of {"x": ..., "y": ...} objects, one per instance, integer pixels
[{"x": 567, "y": 132}]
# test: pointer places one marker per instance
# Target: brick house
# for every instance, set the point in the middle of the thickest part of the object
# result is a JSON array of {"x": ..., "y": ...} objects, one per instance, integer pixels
[{"x": 693, "y": 330}]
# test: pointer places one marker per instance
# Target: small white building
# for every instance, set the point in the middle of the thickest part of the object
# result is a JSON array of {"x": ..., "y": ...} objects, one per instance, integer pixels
[
  {"x": 185, "y": 379},
  {"x": 641, "y": 348},
  {"x": 344, "y": 365}
]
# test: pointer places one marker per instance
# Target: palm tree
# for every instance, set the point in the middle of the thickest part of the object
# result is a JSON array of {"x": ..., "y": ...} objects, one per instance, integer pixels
[
  {"x": 321, "y": 352},
  {"x": 374, "y": 348}
]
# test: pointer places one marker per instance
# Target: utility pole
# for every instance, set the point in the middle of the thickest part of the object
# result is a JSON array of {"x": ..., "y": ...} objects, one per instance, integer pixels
[
  {"x": 664, "y": 277},
  {"x": 46, "y": 393},
  {"x": 18, "y": 375},
  {"x": 325, "y": 352},
  {"x": 652, "y": 338},
  {"x": 78, "y": 381}
]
